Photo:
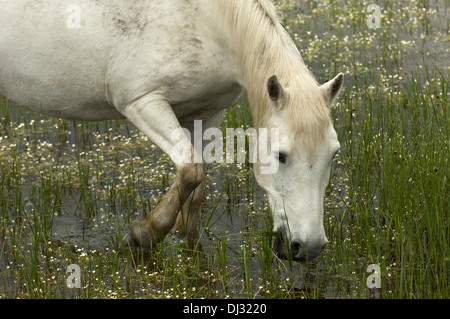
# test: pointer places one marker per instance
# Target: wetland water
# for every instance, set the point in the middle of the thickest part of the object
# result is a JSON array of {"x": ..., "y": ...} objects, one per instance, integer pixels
[{"x": 70, "y": 190}]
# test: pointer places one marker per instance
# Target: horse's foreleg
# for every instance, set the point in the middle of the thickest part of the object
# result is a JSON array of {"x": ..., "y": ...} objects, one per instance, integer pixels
[
  {"x": 155, "y": 118},
  {"x": 187, "y": 221},
  {"x": 162, "y": 219}
]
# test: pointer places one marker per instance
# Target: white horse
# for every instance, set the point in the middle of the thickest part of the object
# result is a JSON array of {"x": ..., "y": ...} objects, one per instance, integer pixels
[{"x": 164, "y": 64}]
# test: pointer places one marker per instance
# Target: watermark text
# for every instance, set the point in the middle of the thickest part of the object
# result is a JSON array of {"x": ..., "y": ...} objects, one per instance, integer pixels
[{"x": 374, "y": 17}]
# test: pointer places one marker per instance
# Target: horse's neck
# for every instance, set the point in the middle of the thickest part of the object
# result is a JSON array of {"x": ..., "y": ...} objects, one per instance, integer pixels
[{"x": 262, "y": 47}]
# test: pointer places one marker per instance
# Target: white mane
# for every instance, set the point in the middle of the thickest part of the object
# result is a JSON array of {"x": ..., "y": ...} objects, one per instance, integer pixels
[{"x": 264, "y": 49}]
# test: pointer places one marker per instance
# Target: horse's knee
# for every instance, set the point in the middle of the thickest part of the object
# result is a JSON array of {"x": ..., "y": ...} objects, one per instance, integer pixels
[{"x": 191, "y": 174}]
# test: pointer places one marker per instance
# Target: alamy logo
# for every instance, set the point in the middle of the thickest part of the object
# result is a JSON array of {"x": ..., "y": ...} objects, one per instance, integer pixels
[
  {"x": 209, "y": 146},
  {"x": 374, "y": 280},
  {"x": 374, "y": 17},
  {"x": 74, "y": 19},
  {"x": 74, "y": 279}
]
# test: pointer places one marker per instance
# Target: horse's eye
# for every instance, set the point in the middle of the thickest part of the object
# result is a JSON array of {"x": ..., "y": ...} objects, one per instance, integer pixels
[
  {"x": 282, "y": 157},
  {"x": 335, "y": 153}
]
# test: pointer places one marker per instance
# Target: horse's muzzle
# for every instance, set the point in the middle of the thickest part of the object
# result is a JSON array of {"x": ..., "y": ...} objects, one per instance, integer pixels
[{"x": 296, "y": 249}]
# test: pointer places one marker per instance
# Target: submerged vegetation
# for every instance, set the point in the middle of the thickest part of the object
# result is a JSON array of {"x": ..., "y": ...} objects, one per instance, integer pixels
[{"x": 70, "y": 190}]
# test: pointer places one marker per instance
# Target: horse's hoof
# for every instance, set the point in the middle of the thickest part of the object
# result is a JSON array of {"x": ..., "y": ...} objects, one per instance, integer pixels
[
  {"x": 189, "y": 240},
  {"x": 136, "y": 238},
  {"x": 128, "y": 241}
]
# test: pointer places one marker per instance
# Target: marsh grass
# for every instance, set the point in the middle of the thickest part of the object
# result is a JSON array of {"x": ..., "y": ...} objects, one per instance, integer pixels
[{"x": 70, "y": 190}]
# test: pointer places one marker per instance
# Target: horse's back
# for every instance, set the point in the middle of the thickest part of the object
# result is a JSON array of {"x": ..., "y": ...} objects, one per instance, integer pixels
[
  {"x": 50, "y": 64},
  {"x": 86, "y": 60}
]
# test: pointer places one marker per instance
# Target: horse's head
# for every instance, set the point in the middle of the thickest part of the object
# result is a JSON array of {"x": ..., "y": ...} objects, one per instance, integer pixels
[{"x": 306, "y": 146}]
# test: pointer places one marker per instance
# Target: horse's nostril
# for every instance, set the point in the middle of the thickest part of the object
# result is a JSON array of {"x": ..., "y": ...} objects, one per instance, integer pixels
[{"x": 296, "y": 248}]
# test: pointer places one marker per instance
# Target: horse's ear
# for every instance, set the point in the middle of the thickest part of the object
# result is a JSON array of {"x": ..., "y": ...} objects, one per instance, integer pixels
[
  {"x": 275, "y": 89},
  {"x": 331, "y": 88}
]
